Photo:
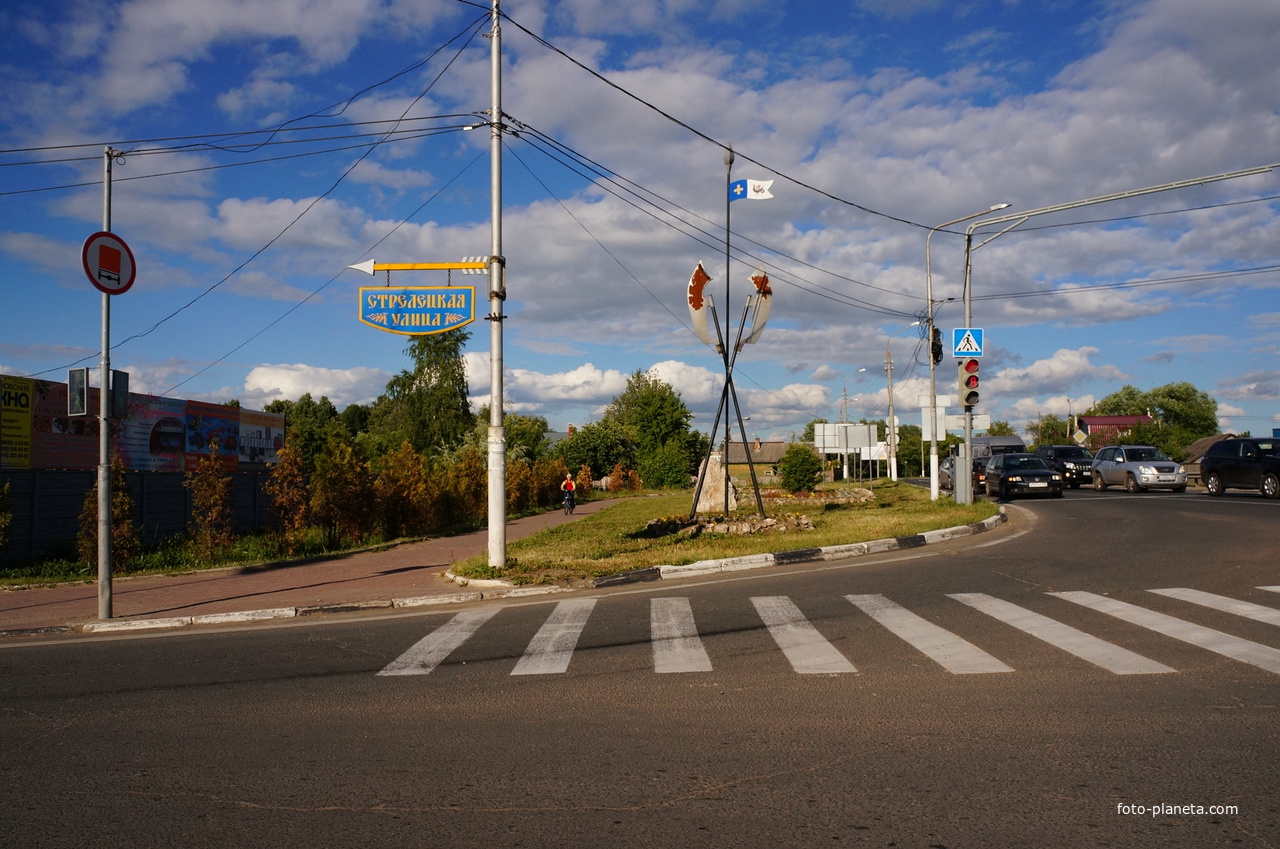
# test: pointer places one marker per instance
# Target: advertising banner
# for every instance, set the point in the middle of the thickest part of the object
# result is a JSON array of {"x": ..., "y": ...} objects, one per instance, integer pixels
[
  {"x": 261, "y": 436},
  {"x": 155, "y": 435},
  {"x": 16, "y": 403},
  {"x": 212, "y": 427},
  {"x": 59, "y": 441},
  {"x": 152, "y": 436}
]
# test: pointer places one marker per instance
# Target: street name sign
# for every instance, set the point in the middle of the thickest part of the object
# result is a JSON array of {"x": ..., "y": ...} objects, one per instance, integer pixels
[{"x": 417, "y": 310}]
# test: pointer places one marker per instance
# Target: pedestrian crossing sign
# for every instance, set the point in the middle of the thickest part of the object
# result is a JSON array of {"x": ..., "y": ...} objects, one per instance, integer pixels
[{"x": 966, "y": 342}]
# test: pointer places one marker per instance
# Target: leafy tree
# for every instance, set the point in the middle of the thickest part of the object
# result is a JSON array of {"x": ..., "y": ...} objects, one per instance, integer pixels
[
  {"x": 1001, "y": 428},
  {"x": 310, "y": 425},
  {"x": 908, "y": 450},
  {"x": 343, "y": 499},
  {"x": 124, "y": 533},
  {"x": 1126, "y": 401},
  {"x": 599, "y": 446},
  {"x": 355, "y": 418},
  {"x": 810, "y": 430},
  {"x": 1184, "y": 406},
  {"x": 1183, "y": 412},
  {"x": 210, "y": 486},
  {"x": 287, "y": 488},
  {"x": 651, "y": 410},
  {"x": 665, "y": 467},
  {"x": 526, "y": 435},
  {"x": 1048, "y": 430},
  {"x": 799, "y": 469},
  {"x": 428, "y": 405},
  {"x": 404, "y": 493}
]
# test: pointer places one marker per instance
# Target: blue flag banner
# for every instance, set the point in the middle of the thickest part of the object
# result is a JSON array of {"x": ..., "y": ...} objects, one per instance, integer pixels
[{"x": 750, "y": 189}]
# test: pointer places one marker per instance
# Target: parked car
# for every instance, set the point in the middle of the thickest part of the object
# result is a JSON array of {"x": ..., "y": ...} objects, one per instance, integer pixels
[
  {"x": 980, "y": 472},
  {"x": 947, "y": 472},
  {"x": 1242, "y": 463},
  {"x": 1074, "y": 463},
  {"x": 1021, "y": 474},
  {"x": 1137, "y": 468}
]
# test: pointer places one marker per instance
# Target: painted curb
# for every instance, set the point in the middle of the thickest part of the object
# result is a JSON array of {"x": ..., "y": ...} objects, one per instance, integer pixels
[{"x": 803, "y": 555}]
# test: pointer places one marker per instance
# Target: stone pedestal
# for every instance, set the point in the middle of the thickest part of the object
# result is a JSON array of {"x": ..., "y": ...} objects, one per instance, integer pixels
[{"x": 712, "y": 498}]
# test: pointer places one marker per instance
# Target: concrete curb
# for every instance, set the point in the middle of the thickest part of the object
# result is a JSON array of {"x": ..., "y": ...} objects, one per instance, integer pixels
[
  {"x": 490, "y": 589},
  {"x": 803, "y": 555}
]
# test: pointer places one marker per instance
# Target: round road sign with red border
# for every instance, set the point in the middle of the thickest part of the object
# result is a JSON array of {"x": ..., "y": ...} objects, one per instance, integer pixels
[{"x": 108, "y": 263}]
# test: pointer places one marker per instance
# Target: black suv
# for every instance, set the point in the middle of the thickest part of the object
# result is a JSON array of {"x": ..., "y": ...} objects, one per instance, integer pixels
[
  {"x": 1242, "y": 463},
  {"x": 1075, "y": 463}
]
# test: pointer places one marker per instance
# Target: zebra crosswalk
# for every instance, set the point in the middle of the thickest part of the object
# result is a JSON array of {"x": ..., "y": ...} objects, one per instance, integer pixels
[{"x": 679, "y": 648}]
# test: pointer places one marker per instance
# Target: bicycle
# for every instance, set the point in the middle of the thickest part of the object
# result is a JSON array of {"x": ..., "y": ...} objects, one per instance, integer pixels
[{"x": 568, "y": 504}]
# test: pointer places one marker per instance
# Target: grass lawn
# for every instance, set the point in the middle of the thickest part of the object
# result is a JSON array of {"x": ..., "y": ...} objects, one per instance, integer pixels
[{"x": 613, "y": 540}]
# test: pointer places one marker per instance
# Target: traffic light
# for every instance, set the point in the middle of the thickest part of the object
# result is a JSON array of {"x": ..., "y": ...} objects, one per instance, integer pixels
[
  {"x": 967, "y": 381},
  {"x": 936, "y": 344}
]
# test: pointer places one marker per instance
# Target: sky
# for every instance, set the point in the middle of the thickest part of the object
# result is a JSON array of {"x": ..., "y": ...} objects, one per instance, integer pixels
[{"x": 265, "y": 145}]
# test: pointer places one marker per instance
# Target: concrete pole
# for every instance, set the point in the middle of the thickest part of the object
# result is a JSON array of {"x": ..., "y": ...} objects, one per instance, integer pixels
[
  {"x": 104, "y": 420},
  {"x": 497, "y": 294}
]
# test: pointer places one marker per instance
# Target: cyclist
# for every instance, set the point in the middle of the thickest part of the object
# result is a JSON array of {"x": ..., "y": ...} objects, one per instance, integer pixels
[{"x": 567, "y": 487}]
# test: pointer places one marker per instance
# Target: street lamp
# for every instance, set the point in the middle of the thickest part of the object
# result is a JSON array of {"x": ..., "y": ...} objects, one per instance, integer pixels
[
  {"x": 890, "y": 426},
  {"x": 933, "y": 379}
]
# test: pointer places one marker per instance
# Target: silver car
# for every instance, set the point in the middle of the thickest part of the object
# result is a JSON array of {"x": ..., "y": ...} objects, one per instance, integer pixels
[{"x": 1137, "y": 468}]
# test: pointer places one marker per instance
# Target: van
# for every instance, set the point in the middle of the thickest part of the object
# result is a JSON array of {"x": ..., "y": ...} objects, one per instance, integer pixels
[{"x": 989, "y": 446}]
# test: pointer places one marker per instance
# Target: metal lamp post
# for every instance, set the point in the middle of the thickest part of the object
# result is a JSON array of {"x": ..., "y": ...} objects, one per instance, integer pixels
[
  {"x": 890, "y": 427},
  {"x": 933, "y": 377}
]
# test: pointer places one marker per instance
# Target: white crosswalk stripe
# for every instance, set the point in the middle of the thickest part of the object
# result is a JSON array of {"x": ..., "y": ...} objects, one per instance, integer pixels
[
  {"x": 1111, "y": 657},
  {"x": 1235, "y": 648},
  {"x": 1247, "y": 609},
  {"x": 808, "y": 651},
  {"x": 676, "y": 647},
  {"x": 552, "y": 647},
  {"x": 426, "y": 654},
  {"x": 952, "y": 653}
]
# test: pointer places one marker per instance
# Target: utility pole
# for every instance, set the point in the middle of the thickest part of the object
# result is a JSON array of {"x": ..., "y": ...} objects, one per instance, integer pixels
[
  {"x": 497, "y": 294},
  {"x": 891, "y": 437},
  {"x": 104, "y": 418}
]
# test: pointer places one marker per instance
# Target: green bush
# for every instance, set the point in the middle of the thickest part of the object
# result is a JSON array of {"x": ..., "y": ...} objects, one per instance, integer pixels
[{"x": 800, "y": 469}]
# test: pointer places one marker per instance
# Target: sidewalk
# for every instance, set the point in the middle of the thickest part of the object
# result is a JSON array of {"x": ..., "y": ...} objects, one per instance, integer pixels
[{"x": 406, "y": 575}]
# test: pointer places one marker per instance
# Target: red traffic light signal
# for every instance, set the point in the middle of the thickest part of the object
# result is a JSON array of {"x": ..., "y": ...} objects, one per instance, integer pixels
[{"x": 967, "y": 381}]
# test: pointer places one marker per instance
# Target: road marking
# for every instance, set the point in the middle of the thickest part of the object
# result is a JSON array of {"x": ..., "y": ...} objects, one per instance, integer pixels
[
  {"x": 676, "y": 647},
  {"x": 808, "y": 651},
  {"x": 1235, "y": 648},
  {"x": 552, "y": 647},
  {"x": 954, "y": 654},
  {"x": 1247, "y": 609},
  {"x": 426, "y": 654},
  {"x": 1111, "y": 657}
]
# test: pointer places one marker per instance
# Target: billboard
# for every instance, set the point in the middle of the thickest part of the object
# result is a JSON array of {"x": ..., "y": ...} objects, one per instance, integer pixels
[{"x": 155, "y": 435}]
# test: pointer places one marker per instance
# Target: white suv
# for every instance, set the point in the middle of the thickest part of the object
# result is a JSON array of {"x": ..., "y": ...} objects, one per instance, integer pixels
[{"x": 1137, "y": 468}]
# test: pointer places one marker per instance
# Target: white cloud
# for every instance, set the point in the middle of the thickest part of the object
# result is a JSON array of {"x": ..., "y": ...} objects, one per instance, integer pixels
[
  {"x": 1065, "y": 369},
  {"x": 266, "y": 383}
]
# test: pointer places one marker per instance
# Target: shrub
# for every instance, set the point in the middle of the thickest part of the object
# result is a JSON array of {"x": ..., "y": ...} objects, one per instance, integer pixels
[
  {"x": 287, "y": 489},
  {"x": 124, "y": 534},
  {"x": 6, "y": 514},
  {"x": 210, "y": 486},
  {"x": 343, "y": 499},
  {"x": 799, "y": 469},
  {"x": 404, "y": 498}
]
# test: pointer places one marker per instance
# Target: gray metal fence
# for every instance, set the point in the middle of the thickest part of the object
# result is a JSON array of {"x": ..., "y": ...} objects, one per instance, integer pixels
[{"x": 47, "y": 503}]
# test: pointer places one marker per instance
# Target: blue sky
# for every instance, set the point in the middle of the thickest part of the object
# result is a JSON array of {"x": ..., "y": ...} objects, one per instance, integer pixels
[{"x": 877, "y": 120}]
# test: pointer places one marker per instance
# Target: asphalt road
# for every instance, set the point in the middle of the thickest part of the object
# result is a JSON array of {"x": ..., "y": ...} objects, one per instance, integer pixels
[{"x": 1024, "y": 687}]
